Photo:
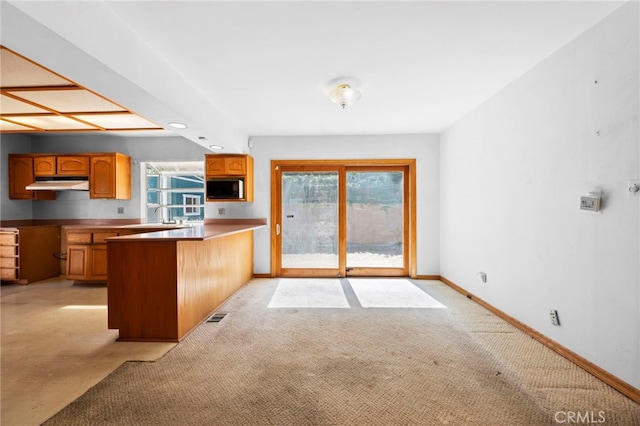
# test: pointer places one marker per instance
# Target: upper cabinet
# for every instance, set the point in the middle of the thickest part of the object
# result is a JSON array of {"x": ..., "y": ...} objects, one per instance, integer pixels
[
  {"x": 21, "y": 174},
  {"x": 232, "y": 166},
  {"x": 72, "y": 165},
  {"x": 227, "y": 165},
  {"x": 109, "y": 174},
  {"x": 61, "y": 165},
  {"x": 44, "y": 165}
]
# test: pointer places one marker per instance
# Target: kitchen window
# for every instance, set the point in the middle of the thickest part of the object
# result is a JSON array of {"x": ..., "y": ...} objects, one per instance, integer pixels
[
  {"x": 191, "y": 203},
  {"x": 174, "y": 191}
]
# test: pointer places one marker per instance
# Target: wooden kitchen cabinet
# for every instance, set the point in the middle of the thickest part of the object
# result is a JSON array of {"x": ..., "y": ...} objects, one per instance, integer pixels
[
  {"x": 227, "y": 165},
  {"x": 87, "y": 263},
  {"x": 72, "y": 165},
  {"x": 21, "y": 174},
  {"x": 110, "y": 176},
  {"x": 29, "y": 253},
  {"x": 86, "y": 249},
  {"x": 231, "y": 166},
  {"x": 61, "y": 165},
  {"x": 87, "y": 254},
  {"x": 44, "y": 165},
  {"x": 9, "y": 264}
]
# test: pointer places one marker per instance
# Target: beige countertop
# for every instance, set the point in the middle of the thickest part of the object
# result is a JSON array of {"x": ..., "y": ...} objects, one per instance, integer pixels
[{"x": 192, "y": 233}]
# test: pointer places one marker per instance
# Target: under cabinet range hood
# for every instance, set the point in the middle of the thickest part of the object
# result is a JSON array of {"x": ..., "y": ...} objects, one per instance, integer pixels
[{"x": 60, "y": 183}]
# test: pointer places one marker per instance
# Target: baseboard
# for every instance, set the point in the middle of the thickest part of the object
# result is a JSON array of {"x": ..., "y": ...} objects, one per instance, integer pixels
[
  {"x": 262, "y": 276},
  {"x": 608, "y": 378},
  {"x": 427, "y": 277}
]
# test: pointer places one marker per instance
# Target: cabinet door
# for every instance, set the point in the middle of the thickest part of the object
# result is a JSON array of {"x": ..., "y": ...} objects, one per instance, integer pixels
[
  {"x": 215, "y": 166},
  {"x": 102, "y": 179},
  {"x": 20, "y": 175},
  {"x": 235, "y": 166},
  {"x": 77, "y": 262},
  {"x": 44, "y": 165},
  {"x": 72, "y": 165},
  {"x": 97, "y": 270}
]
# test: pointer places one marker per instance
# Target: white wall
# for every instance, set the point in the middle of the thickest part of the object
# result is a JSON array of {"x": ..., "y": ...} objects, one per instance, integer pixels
[
  {"x": 424, "y": 148},
  {"x": 512, "y": 173}
]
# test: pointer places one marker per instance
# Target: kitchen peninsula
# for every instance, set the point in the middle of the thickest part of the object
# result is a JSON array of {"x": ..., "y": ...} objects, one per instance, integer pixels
[{"x": 163, "y": 284}]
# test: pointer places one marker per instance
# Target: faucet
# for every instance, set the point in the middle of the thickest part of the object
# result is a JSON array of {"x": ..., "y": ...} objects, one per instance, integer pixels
[{"x": 168, "y": 213}]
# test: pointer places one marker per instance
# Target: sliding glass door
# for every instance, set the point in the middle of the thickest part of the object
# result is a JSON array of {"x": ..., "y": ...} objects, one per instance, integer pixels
[
  {"x": 310, "y": 221},
  {"x": 375, "y": 222},
  {"x": 336, "y": 220}
]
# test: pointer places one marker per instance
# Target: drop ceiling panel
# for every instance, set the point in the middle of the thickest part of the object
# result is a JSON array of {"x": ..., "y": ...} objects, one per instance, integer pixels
[
  {"x": 68, "y": 100},
  {"x": 19, "y": 72},
  {"x": 52, "y": 122},
  {"x": 36, "y": 99},
  {"x": 116, "y": 121},
  {"x": 10, "y": 105},
  {"x": 6, "y": 126}
]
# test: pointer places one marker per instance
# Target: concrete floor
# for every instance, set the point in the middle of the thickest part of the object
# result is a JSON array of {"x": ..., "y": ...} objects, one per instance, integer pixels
[{"x": 56, "y": 345}]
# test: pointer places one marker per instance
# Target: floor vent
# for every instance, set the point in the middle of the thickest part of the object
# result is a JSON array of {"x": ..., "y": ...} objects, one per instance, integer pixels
[{"x": 217, "y": 317}]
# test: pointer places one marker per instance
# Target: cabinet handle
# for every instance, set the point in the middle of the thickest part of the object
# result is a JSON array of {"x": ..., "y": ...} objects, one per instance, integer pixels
[{"x": 277, "y": 229}]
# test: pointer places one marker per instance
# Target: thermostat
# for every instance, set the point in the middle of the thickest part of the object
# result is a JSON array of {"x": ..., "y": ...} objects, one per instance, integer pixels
[{"x": 590, "y": 202}]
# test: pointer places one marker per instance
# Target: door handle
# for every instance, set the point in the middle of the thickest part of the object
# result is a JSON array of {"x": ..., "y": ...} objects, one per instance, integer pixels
[{"x": 277, "y": 229}]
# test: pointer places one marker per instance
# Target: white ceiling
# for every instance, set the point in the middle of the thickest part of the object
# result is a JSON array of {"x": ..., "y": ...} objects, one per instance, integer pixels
[{"x": 236, "y": 69}]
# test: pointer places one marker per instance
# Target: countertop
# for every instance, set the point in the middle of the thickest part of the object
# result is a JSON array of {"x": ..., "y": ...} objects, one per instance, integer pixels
[{"x": 192, "y": 233}]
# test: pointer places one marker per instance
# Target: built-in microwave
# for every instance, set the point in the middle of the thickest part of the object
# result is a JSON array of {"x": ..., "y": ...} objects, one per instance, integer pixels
[{"x": 225, "y": 188}]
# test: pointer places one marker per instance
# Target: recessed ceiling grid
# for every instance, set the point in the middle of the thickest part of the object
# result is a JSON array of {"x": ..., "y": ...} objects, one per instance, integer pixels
[{"x": 35, "y": 99}]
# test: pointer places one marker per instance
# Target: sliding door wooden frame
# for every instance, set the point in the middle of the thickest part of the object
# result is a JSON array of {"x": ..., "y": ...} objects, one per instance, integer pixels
[{"x": 276, "y": 190}]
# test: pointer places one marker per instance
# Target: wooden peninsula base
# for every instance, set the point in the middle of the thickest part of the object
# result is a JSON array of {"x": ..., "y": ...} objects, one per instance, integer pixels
[{"x": 161, "y": 285}]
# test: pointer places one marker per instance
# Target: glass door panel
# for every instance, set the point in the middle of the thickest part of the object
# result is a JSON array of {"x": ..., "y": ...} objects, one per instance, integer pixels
[
  {"x": 375, "y": 220},
  {"x": 309, "y": 220}
]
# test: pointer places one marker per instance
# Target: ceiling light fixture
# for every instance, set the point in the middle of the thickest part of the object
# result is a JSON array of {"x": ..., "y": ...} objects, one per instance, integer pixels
[
  {"x": 344, "y": 95},
  {"x": 216, "y": 147},
  {"x": 177, "y": 125}
]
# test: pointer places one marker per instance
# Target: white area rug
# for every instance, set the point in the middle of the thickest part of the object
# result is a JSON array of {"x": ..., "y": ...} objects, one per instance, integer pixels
[
  {"x": 391, "y": 293},
  {"x": 309, "y": 293}
]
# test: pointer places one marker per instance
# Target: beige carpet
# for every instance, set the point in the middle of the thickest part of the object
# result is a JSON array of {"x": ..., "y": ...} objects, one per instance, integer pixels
[{"x": 459, "y": 365}]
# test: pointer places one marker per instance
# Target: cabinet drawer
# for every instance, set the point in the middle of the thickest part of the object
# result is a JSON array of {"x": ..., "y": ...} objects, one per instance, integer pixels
[
  {"x": 8, "y": 251},
  {"x": 79, "y": 238},
  {"x": 8, "y": 273},
  {"x": 99, "y": 237},
  {"x": 8, "y": 262},
  {"x": 8, "y": 238}
]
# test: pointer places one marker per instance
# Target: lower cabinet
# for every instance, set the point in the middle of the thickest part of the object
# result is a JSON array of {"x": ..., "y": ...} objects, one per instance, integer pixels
[
  {"x": 86, "y": 249},
  {"x": 87, "y": 263},
  {"x": 87, "y": 255},
  {"x": 9, "y": 255},
  {"x": 29, "y": 253}
]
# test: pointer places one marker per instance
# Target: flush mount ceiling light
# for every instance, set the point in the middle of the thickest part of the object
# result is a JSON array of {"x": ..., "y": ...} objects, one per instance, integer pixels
[
  {"x": 344, "y": 95},
  {"x": 177, "y": 125},
  {"x": 217, "y": 147}
]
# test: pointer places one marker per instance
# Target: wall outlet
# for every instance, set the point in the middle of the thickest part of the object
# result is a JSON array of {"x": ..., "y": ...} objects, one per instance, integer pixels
[
  {"x": 553, "y": 315},
  {"x": 482, "y": 277},
  {"x": 120, "y": 210},
  {"x": 221, "y": 211},
  {"x": 590, "y": 202}
]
